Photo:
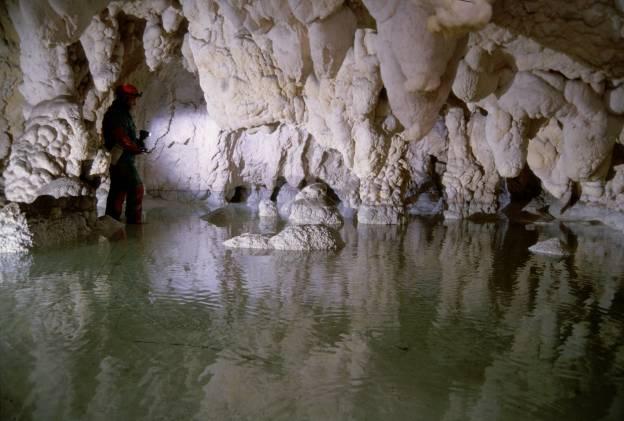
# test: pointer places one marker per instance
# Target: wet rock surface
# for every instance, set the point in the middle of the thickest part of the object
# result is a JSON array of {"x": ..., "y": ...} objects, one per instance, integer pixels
[{"x": 296, "y": 238}]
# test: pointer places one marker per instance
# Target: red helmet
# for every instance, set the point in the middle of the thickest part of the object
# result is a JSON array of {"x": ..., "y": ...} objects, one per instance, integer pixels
[{"x": 127, "y": 90}]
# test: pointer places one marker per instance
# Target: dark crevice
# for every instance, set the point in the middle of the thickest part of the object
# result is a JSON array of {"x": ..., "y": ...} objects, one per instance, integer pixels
[
  {"x": 278, "y": 185},
  {"x": 432, "y": 185},
  {"x": 617, "y": 158},
  {"x": 332, "y": 197},
  {"x": 241, "y": 193},
  {"x": 523, "y": 188}
]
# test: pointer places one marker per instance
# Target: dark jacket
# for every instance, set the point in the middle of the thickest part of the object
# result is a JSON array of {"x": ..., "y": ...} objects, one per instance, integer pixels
[{"x": 118, "y": 129}]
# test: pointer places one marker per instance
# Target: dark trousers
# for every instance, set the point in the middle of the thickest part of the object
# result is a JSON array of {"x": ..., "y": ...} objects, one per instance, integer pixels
[{"x": 126, "y": 185}]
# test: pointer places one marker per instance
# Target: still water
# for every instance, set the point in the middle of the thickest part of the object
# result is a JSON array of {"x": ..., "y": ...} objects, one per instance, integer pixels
[{"x": 430, "y": 321}]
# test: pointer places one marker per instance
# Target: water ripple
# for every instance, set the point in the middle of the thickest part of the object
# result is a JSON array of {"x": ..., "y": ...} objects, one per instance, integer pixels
[{"x": 428, "y": 321}]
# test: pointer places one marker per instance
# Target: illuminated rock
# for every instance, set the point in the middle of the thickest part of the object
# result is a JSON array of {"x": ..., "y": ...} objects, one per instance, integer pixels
[
  {"x": 15, "y": 235},
  {"x": 380, "y": 100},
  {"x": 249, "y": 241},
  {"x": 294, "y": 237},
  {"x": 311, "y": 206}
]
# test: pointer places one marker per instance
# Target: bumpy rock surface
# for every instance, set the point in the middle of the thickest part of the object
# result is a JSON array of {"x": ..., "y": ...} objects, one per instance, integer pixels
[
  {"x": 15, "y": 235},
  {"x": 299, "y": 237},
  {"x": 382, "y": 100},
  {"x": 311, "y": 206},
  {"x": 380, "y": 215},
  {"x": 249, "y": 241},
  {"x": 267, "y": 209}
]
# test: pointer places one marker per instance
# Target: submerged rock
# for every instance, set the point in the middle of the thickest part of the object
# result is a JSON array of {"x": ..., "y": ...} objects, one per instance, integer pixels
[
  {"x": 551, "y": 247},
  {"x": 108, "y": 226},
  {"x": 224, "y": 216},
  {"x": 294, "y": 237}
]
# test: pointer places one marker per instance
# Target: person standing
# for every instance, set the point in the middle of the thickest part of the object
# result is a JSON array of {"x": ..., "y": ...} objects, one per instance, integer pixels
[{"x": 120, "y": 138}]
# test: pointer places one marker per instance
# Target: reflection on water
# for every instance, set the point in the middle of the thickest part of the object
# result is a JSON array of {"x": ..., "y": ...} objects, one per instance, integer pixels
[{"x": 434, "y": 321}]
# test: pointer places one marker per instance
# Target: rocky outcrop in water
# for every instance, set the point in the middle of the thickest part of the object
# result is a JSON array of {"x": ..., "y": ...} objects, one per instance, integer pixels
[
  {"x": 294, "y": 237},
  {"x": 313, "y": 206}
]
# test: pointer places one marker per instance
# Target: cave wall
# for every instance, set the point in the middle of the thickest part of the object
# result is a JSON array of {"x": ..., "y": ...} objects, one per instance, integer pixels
[
  {"x": 11, "y": 120},
  {"x": 385, "y": 101}
]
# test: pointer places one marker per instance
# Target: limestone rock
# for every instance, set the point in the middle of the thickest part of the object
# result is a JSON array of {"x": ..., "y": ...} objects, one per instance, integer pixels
[
  {"x": 249, "y": 241},
  {"x": 159, "y": 44},
  {"x": 316, "y": 192},
  {"x": 304, "y": 212},
  {"x": 267, "y": 209},
  {"x": 307, "y": 237},
  {"x": 453, "y": 16},
  {"x": 417, "y": 65},
  {"x": 15, "y": 234},
  {"x": 380, "y": 215},
  {"x": 300, "y": 238},
  {"x": 330, "y": 39},
  {"x": 551, "y": 247},
  {"x": 309, "y": 11},
  {"x": 53, "y": 146},
  {"x": 103, "y": 50},
  {"x": 311, "y": 206},
  {"x": 615, "y": 100},
  {"x": 11, "y": 101},
  {"x": 470, "y": 180},
  {"x": 64, "y": 187}
]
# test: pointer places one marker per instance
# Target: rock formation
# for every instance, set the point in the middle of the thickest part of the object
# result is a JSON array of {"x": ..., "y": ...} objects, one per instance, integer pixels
[
  {"x": 294, "y": 237},
  {"x": 313, "y": 206},
  {"x": 397, "y": 106}
]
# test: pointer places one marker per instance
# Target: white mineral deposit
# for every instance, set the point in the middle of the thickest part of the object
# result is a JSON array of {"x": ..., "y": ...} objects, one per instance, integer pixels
[{"x": 424, "y": 146}]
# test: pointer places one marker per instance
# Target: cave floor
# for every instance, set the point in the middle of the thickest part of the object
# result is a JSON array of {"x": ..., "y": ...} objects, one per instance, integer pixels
[{"x": 433, "y": 320}]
